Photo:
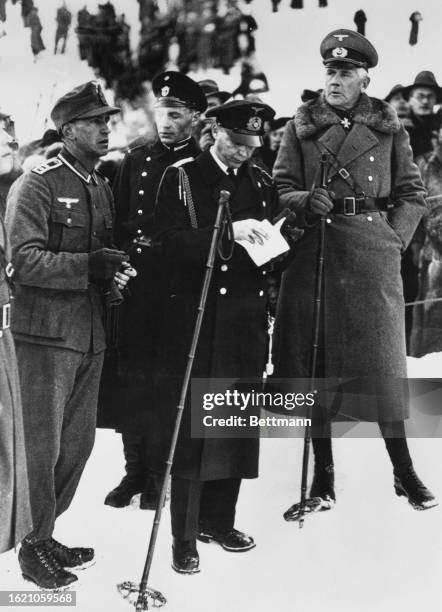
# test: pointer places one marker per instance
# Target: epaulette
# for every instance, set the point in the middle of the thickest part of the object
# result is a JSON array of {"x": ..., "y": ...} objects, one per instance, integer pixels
[
  {"x": 51, "y": 164},
  {"x": 264, "y": 175}
]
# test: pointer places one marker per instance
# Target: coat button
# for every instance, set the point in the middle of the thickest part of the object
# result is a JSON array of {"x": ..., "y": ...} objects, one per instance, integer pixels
[
  {"x": 140, "y": 211},
  {"x": 224, "y": 268},
  {"x": 264, "y": 272},
  {"x": 69, "y": 206},
  {"x": 94, "y": 234},
  {"x": 139, "y": 232},
  {"x": 69, "y": 221},
  {"x": 141, "y": 192},
  {"x": 328, "y": 220},
  {"x": 263, "y": 203},
  {"x": 371, "y": 158},
  {"x": 370, "y": 178},
  {"x": 369, "y": 218},
  {"x": 144, "y": 174},
  {"x": 148, "y": 158},
  {"x": 223, "y": 291},
  {"x": 261, "y": 293},
  {"x": 139, "y": 250}
]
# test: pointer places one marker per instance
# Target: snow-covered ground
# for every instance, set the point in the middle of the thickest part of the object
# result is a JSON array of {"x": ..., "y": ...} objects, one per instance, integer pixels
[{"x": 372, "y": 552}]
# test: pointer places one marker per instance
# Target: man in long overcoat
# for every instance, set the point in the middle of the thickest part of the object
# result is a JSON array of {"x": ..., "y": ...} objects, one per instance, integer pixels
[
  {"x": 179, "y": 103},
  {"x": 207, "y": 472},
  {"x": 373, "y": 200},
  {"x": 15, "y": 509}
]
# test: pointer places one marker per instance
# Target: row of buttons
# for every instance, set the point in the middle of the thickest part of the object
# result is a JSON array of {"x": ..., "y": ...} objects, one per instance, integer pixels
[
  {"x": 368, "y": 217},
  {"x": 140, "y": 210},
  {"x": 223, "y": 291}
]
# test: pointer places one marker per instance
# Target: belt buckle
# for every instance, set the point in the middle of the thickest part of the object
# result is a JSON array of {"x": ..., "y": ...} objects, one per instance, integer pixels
[
  {"x": 349, "y": 206},
  {"x": 6, "y": 316}
]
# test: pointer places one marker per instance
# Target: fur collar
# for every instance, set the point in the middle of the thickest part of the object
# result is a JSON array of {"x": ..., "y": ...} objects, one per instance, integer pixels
[{"x": 316, "y": 115}]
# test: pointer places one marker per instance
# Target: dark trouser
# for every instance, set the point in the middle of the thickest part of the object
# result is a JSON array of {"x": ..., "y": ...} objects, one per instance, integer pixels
[
  {"x": 59, "y": 393},
  {"x": 395, "y": 442},
  {"x": 210, "y": 504}
]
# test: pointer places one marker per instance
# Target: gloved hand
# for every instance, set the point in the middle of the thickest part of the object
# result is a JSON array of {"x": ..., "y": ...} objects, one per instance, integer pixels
[
  {"x": 319, "y": 201},
  {"x": 288, "y": 229},
  {"x": 104, "y": 263}
]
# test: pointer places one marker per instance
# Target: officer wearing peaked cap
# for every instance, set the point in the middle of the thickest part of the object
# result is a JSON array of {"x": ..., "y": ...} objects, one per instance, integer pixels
[
  {"x": 179, "y": 101},
  {"x": 373, "y": 202},
  {"x": 59, "y": 217},
  {"x": 207, "y": 473}
]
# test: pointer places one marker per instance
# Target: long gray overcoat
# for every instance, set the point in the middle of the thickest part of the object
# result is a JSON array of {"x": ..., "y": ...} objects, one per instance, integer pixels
[
  {"x": 362, "y": 321},
  {"x": 15, "y": 510}
]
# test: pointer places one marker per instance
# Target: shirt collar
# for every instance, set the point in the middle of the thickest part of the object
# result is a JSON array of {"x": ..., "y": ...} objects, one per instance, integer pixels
[
  {"x": 221, "y": 164},
  {"x": 76, "y": 166},
  {"x": 178, "y": 146}
]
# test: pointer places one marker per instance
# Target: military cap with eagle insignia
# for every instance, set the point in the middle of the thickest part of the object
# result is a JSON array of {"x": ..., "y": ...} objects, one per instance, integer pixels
[
  {"x": 173, "y": 88},
  {"x": 243, "y": 120},
  {"x": 347, "y": 46},
  {"x": 83, "y": 102}
]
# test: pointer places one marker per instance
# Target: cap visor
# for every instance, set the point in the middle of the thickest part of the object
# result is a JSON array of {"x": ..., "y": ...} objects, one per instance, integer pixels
[
  {"x": 251, "y": 140},
  {"x": 341, "y": 62}
]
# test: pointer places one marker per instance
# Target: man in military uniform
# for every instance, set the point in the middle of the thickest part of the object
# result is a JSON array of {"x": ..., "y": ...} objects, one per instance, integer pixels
[
  {"x": 179, "y": 103},
  {"x": 59, "y": 218},
  {"x": 207, "y": 473},
  {"x": 373, "y": 202}
]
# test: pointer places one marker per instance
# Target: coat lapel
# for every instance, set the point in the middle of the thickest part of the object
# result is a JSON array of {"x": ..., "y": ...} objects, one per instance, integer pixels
[
  {"x": 345, "y": 148},
  {"x": 360, "y": 140}
]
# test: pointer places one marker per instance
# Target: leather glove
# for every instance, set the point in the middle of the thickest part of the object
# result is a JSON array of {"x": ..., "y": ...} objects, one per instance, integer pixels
[
  {"x": 319, "y": 202},
  {"x": 288, "y": 229},
  {"x": 104, "y": 263}
]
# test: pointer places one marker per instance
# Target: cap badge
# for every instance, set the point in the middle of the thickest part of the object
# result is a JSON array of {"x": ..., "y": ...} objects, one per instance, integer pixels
[
  {"x": 339, "y": 52},
  {"x": 165, "y": 91},
  {"x": 340, "y": 37},
  {"x": 254, "y": 124},
  {"x": 99, "y": 92}
]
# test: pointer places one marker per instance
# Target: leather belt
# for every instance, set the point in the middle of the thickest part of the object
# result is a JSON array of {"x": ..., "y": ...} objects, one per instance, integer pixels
[
  {"x": 356, "y": 205},
  {"x": 5, "y": 317}
]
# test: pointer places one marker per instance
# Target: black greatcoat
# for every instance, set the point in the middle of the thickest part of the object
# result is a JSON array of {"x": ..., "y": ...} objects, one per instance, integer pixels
[
  {"x": 233, "y": 335},
  {"x": 126, "y": 391}
]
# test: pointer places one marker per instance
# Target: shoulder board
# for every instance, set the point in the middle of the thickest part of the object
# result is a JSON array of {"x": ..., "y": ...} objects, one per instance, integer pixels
[
  {"x": 181, "y": 162},
  {"x": 265, "y": 176},
  {"x": 51, "y": 164}
]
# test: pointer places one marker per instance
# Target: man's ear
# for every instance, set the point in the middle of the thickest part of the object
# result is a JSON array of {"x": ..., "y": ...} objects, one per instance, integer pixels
[
  {"x": 195, "y": 118},
  {"x": 67, "y": 131},
  {"x": 215, "y": 129},
  {"x": 365, "y": 82}
]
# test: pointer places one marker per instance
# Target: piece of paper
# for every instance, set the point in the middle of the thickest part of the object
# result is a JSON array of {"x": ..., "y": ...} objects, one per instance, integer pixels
[{"x": 273, "y": 246}]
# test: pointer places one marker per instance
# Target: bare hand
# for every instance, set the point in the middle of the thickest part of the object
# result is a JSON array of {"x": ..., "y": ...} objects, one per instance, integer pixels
[
  {"x": 250, "y": 230},
  {"x": 320, "y": 202},
  {"x": 122, "y": 277}
]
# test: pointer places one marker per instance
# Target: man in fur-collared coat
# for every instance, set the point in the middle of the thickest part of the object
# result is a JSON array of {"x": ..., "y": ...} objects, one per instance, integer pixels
[{"x": 373, "y": 202}]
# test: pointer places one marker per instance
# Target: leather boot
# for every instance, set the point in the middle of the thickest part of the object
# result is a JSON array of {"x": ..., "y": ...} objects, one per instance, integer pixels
[
  {"x": 39, "y": 565},
  {"x": 409, "y": 485},
  {"x": 135, "y": 478},
  {"x": 185, "y": 556},
  {"x": 323, "y": 484}
]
